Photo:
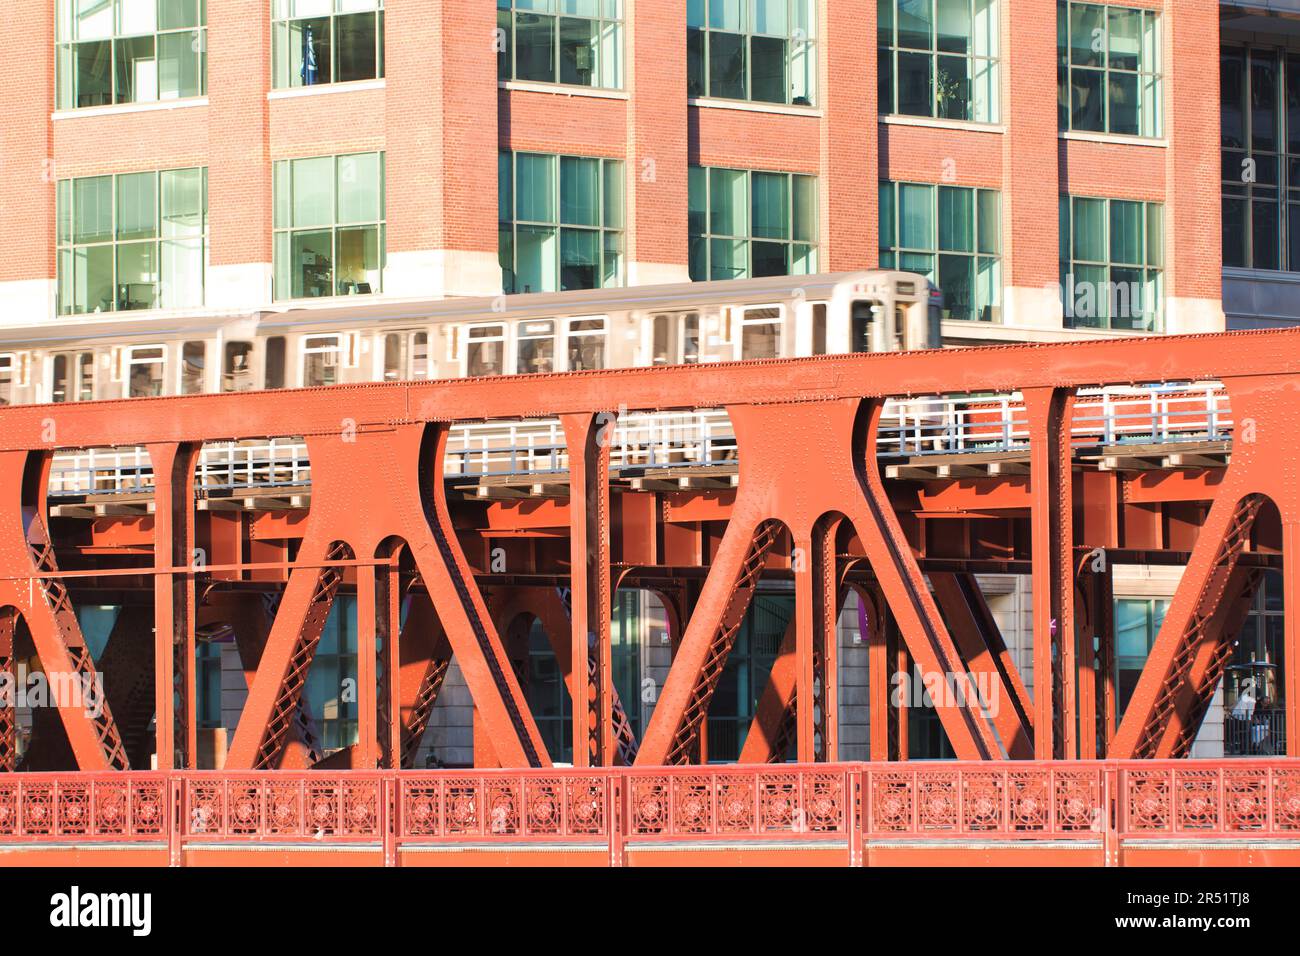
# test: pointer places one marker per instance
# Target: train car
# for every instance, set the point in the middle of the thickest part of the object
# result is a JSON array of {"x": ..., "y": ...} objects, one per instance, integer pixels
[{"x": 118, "y": 355}]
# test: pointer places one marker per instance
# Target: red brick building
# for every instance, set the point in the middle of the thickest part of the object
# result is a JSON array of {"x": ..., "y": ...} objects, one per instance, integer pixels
[{"x": 973, "y": 98}]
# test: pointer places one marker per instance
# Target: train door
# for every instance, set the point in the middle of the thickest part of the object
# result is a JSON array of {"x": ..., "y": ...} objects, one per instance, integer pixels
[
  {"x": 676, "y": 338},
  {"x": 865, "y": 334},
  {"x": 72, "y": 377}
]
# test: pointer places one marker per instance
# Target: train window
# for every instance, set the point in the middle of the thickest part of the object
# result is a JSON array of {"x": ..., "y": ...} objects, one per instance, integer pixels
[
  {"x": 760, "y": 333},
  {"x": 321, "y": 356},
  {"x": 394, "y": 356},
  {"x": 536, "y": 347},
  {"x": 406, "y": 356},
  {"x": 586, "y": 344},
  {"x": 485, "y": 354},
  {"x": 193, "y": 356},
  {"x": 146, "y": 367},
  {"x": 273, "y": 373},
  {"x": 73, "y": 378},
  {"x": 237, "y": 371},
  {"x": 862, "y": 323},
  {"x": 819, "y": 328},
  {"x": 676, "y": 338},
  {"x": 7, "y": 379},
  {"x": 420, "y": 355}
]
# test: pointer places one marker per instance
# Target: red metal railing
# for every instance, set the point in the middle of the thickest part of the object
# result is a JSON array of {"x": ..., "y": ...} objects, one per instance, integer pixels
[
  {"x": 1016, "y": 800},
  {"x": 111, "y": 807}
]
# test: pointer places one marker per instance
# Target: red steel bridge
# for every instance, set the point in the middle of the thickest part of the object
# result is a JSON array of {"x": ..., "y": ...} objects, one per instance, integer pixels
[{"x": 480, "y": 503}]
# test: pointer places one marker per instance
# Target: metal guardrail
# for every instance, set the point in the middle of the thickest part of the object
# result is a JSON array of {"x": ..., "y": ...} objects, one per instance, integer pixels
[
  {"x": 1024, "y": 801},
  {"x": 642, "y": 441}
]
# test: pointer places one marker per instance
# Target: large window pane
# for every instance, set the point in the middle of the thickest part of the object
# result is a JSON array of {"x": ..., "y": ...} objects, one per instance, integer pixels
[
  {"x": 313, "y": 191},
  {"x": 311, "y": 264},
  {"x": 771, "y": 206},
  {"x": 137, "y": 212},
  {"x": 356, "y": 47},
  {"x": 727, "y": 65},
  {"x": 535, "y": 47}
]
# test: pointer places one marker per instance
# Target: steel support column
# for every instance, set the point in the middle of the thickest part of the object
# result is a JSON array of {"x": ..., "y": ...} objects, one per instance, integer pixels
[
  {"x": 1050, "y": 412},
  {"x": 175, "y": 707},
  {"x": 588, "y": 439}
]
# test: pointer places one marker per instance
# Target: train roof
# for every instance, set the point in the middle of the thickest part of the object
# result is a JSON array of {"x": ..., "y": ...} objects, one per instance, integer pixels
[{"x": 341, "y": 313}]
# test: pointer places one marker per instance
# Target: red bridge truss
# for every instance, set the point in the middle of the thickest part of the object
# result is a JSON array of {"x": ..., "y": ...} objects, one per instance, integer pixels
[{"x": 810, "y": 498}]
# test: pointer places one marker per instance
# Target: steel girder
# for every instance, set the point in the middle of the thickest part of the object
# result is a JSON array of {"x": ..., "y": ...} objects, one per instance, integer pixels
[{"x": 803, "y": 429}]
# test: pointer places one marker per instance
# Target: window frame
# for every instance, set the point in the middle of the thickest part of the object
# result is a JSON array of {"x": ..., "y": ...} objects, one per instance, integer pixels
[
  {"x": 67, "y": 248},
  {"x": 812, "y": 247},
  {"x": 283, "y": 76},
  {"x": 1150, "y": 82},
  {"x": 571, "y": 333},
  {"x": 501, "y": 337},
  {"x": 338, "y": 350},
  {"x": 610, "y": 206},
  {"x": 610, "y": 17},
  {"x": 1069, "y": 264},
  {"x": 890, "y": 50},
  {"x": 67, "y": 38},
  {"x": 892, "y": 256},
  {"x": 130, "y": 361},
  {"x": 283, "y": 175},
  {"x": 1284, "y": 161},
  {"x": 800, "y": 40}
]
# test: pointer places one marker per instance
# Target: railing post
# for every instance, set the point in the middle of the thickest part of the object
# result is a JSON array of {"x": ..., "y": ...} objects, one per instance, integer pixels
[
  {"x": 175, "y": 819},
  {"x": 853, "y": 794},
  {"x": 616, "y": 795},
  {"x": 392, "y": 810},
  {"x": 1112, "y": 812}
]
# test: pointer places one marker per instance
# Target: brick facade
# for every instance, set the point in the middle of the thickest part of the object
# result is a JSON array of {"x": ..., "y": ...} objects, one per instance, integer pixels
[{"x": 441, "y": 116}]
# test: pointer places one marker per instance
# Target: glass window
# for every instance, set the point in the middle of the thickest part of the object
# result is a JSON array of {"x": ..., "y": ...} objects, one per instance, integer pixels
[
  {"x": 326, "y": 41},
  {"x": 406, "y": 355},
  {"x": 676, "y": 338},
  {"x": 129, "y": 51},
  {"x": 751, "y": 223},
  {"x": 1260, "y": 96},
  {"x": 7, "y": 364},
  {"x": 760, "y": 333},
  {"x": 1112, "y": 261},
  {"x": 761, "y": 50},
  {"x": 485, "y": 350},
  {"x": 1137, "y": 623},
  {"x": 952, "y": 236},
  {"x": 939, "y": 58},
  {"x": 1108, "y": 69},
  {"x": 578, "y": 42},
  {"x": 535, "y": 350},
  {"x": 133, "y": 241},
  {"x": 586, "y": 344},
  {"x": 193, "y": 364},
  {"x": 237, "y": 367},
  {"x": 145, "y": 370},
  {"x": 273, "y": 373},
  {"x": 321, "y": 357},
  {"x": 561, "y": 223},
  {"x": 72, "y": 377},
  {"x": 329, "y": 226}
]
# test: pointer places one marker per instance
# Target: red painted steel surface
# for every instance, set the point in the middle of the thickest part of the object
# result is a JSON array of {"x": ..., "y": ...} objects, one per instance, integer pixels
[
  {"x": 810, "y": 504},
  {"x": 1117, "y": 808}
]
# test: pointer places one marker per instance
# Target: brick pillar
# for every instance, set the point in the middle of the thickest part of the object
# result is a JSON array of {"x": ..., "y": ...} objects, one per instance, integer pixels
[
  {"x": 657, "y": 182},
  {"x": 1193, "y": 230},
  {"x": 441, "y": 107},
  {"x": 1030, "y": 168},
  {"x": 850, "y": 176},
  {"x": 27, "y": 174},
  {"x": 239, "y": 160}
]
